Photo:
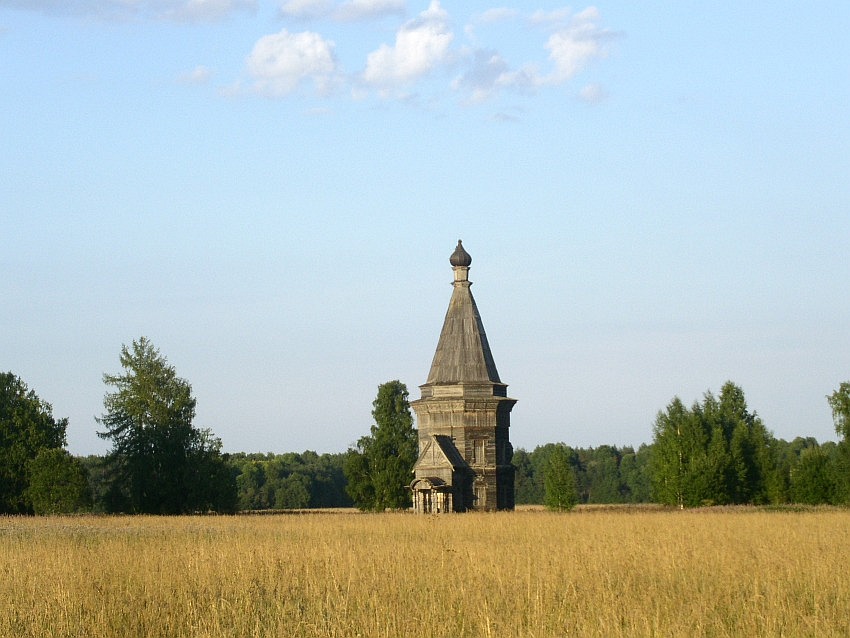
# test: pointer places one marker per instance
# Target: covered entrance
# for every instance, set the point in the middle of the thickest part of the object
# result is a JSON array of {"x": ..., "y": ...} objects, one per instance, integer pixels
[{"x": 431, "y": 495}]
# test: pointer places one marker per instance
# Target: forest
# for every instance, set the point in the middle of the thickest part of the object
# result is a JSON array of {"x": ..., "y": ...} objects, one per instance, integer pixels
[
  {"x": 804, "y": 472},
  {"x": 715, "y": 452}
]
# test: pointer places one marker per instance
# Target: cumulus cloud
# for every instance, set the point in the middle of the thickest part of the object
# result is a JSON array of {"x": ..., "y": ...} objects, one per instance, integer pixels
[
  {"x": 489, "y": 73},
  {"x": 177, "y": 10},
  {"x": 573, "y": 46},
  {"x": 574, "y": 42},
  {"x": 279, "y": 63},
  {"x": 563, "y": 44},
  {"x": 556, "y": 46},
  {"x": 487, "y": 70},
  {"x": 421, "y": 45}
]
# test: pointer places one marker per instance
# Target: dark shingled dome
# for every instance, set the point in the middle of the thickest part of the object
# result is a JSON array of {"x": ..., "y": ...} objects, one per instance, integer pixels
[{"x": 460, "y": 257}]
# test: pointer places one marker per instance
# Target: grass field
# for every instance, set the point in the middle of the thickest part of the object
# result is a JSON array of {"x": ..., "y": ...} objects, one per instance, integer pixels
[{"x": 603, "y": 572}]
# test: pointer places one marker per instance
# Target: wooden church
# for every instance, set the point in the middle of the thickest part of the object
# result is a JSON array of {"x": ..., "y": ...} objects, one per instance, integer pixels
[{"x": 463, "y": 415}]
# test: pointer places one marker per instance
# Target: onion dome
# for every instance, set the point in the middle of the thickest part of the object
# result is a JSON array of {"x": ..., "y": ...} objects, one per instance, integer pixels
[{"x": 460, "y": 257}]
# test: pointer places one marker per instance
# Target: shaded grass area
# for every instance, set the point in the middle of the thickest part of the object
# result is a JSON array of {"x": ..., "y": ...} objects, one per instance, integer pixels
[{"x": 592, "y": 572}]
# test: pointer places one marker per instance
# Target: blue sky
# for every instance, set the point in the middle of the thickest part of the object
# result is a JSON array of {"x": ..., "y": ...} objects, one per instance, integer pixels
[{"x": 656, "y": 197}]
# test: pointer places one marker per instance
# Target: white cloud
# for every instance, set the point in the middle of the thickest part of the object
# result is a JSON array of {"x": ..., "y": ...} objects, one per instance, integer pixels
[
  {"x": 575, "y": 41},
  {"x": 572, "y": 47},
  {"x": 279, "y": 63},
  {"x": 421, "y": 45},
  {"x": 489, "y": 74}
]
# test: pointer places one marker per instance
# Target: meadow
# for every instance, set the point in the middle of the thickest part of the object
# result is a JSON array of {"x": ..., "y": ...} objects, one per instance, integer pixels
[{"x": 590, "y": 572}]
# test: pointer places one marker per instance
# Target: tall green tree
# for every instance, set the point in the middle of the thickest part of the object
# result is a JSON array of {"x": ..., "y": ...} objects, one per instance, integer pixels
[
  {"x": 748, "y": 440},
  {"x": 714, "y": 453},
  {"x": 678, "y": 460},
  {"x": 839, "y": 401},
  {"x": 160, "y": 463},
  {"x": 379, "y": 469},
  {"x": 27, "y": 427},
  {"x": 813, "y": 478},
  {"x": 559, "y": 481}
]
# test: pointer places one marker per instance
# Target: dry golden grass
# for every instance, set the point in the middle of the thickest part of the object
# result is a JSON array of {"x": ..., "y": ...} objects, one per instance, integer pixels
[{"x": 597, "y": 572}]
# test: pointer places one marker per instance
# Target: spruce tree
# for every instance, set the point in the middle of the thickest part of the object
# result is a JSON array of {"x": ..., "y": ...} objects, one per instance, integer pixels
[
  {"x": 379, "y": 469},
  {"x": 559, "y": 481}
]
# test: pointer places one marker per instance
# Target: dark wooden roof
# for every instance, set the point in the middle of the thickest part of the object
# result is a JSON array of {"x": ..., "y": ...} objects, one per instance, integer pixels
[
  {"x": 463, "y": 354},
  {"x": 453, "y": 455}
]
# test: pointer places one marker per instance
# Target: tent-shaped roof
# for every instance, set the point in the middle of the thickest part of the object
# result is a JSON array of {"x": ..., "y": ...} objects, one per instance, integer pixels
[{"x": 463, "y": 354}]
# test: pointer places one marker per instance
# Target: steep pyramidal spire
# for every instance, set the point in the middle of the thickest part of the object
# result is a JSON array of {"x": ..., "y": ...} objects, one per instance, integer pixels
[{"x": 463, "y": 354}]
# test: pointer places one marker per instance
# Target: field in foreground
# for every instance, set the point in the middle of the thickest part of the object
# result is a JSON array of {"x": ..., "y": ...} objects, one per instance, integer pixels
[{"x": 531, "y": 573}]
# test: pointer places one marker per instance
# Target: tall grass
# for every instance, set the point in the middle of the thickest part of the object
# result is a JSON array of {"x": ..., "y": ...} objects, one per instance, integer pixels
[{"x": 590, "y": 573}]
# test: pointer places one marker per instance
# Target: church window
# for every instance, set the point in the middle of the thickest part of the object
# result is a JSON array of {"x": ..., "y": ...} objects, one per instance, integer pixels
[{"x": 478, "y": 452}]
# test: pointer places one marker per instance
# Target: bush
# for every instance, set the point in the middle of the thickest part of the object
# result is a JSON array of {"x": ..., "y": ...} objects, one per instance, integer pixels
[{"x": 58, "y": 483}]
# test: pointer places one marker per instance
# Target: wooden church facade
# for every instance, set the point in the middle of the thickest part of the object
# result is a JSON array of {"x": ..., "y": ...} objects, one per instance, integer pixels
[{"x": 463, "y": 415}]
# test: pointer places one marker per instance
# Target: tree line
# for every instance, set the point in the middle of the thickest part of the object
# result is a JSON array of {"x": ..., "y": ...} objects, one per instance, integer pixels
[
  {"x": 715, "y": 452},
  {"x": 801, "y": 471}
]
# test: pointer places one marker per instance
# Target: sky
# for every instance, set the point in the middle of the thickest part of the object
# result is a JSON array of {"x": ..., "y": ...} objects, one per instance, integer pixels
[{"x": 655, "y": 196}]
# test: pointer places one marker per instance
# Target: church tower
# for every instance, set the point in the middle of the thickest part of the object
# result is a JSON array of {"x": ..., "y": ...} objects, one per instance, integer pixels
[{"x": 464, "y": 415}]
